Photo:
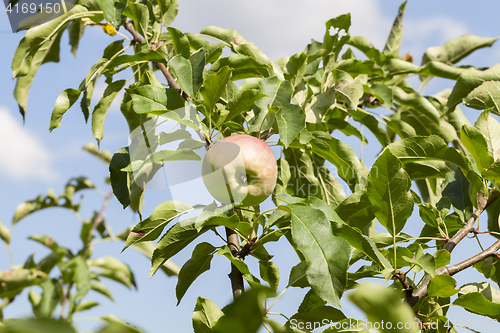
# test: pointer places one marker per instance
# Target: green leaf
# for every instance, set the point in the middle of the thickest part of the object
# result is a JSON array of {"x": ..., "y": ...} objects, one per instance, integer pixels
[
  {"x": 81, "y": 276},
  {"x": 430, "y": 215},
  {"x": 85, "y": 305},
  {"x": 456, "y": 188},
  {"x": 362, "y": 44},
  {"x": 139, "y": 13},
  {"x": 389, "y": 192},
  {"x": 228, "y": 36},
  {"x": 194, "y": 267},
  {"x": 442, "y": 258},
  {"x": 298, "y": 277},
  {"x": 319, "y": 106},
  {"x": 326, "y": 315},
  {"x": 169, "y": 267},
  {"x": 476, "y": 302},
  {"x": 485, "y": 96},
  {"x": 41, "y": 202},
  {"x": 362, "y": 243},
  {"x": 351, "y": 90},
  {"x": 356, "y": 210},
  {"x": 205, "y": 316},
  {"x": 183, "y": 154},
  {"x": 37, "y": 325},
  {"x": 426, "y": 262},
  {"x": 384, "y": 304},
  {"x": 456, "y": 49},
  {"x": 48, "y": 52},
  {"x": 75, "y": 31},
  {"x": 101, "y": 109},
  {"x": 119, "y": 63},
  {"x": 103, "y": 155},
  {"x": 112, "y": 11},
  {"x": 113, "y": 269},
  {"x": 336, "y": 35},
  {"x": 490, "y": 128},
  {"x": 442, "y": 286},
  {"x": 150, "y": 228},
  {"x": 51, "y": 297},
  {"x": 383, "y": 93},
  {"x": 102, "y": 289},
  {"x": 213, "y": 87},
  {"x": 279, "y": 94},
  {"x": 156, "y": 100},
  {"x": 176, "y": 238},
  {"x": 396, "y": 36},
  {"x": 347, "y": 129},
  {"x": 356, "y": 67},
  {"x": 476, "y": 144},
  {"x": 245, "y": 314},
  {"x": 51, "y": 244},
  {"x": 270, "y": 273},
  {"x": 372, "y": 124},
  {"x": 117, "y": 325},
  {"x": 37, "y": 37},
  {"x": 12, "y": 282},
  {"x": 168, "y": 10},
  {"x": 468, "y": 81},
  {"x": 310, "y": 302},
  {"x": 417, "y": 104},
  {"x": 120, "y": 182},
  {"x": 4, "y": 233},
  {"x": 243, "y": 67},
  {"x": 243, "y": 102},
  {"x": 180, "y": 42},
  {"x": 326, "y": 255},
  {"x": 240, "y": 265},
  {"x": 434, "y": 148},
  {"x": 338, "y": 153},
  {"x": 208, "y": 218},
  {"x": 197, "y": 61},
  {"x": 291, "y": 120},
  {"x": 296, "y": 68}
]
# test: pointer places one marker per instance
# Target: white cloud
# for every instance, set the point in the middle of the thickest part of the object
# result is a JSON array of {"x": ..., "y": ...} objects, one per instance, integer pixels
[
  {"x": 419, "y": 34},
  {"x": 283, "y": 27},
  {"x": 22, "y": 155}
]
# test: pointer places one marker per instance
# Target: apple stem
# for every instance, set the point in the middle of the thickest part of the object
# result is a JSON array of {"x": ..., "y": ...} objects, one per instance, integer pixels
[{"x": 235, "y": 276}]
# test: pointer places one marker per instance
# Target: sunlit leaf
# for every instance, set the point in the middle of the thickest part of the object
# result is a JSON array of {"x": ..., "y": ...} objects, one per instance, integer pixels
[
  {"x": 389, "y": 192},
  {"x": 194, "y": 267}
]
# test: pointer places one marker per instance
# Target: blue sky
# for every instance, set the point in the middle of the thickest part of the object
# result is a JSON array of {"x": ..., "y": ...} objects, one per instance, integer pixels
[{"x": 32, "y": 159}]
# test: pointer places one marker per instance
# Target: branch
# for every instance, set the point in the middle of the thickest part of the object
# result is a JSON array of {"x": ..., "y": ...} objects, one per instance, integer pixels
[
  {"x": 138, "y": 39},
  {"x": 454, "y": 269},
  {"x": 483, "y": 202},
  {"x": 129, "y": 26},
  {"x": 235, "y": 276}
]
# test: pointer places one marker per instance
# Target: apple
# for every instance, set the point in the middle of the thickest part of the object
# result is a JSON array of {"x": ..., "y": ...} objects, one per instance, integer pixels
[{"x": 240, "y": 169}]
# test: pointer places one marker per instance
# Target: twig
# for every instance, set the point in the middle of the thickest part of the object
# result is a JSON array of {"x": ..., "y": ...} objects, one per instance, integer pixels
[
  {"x": 65, "y": 300},
  {"x": 138, "y": 39},
  {"x": 97, "y": 219},
  {"x": 483, "y": 202}
]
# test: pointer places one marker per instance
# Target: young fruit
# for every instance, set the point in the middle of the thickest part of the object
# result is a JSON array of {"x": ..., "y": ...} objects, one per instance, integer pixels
[{"x": 240, "y": 169}]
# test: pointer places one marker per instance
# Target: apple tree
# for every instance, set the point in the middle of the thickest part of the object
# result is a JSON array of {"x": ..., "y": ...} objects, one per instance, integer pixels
[{"x": 344, "y": 219}]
